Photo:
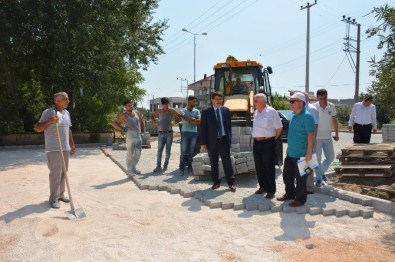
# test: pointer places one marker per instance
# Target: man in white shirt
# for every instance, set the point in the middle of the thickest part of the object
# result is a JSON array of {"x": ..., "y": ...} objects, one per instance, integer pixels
[
  {"x": 266, "y": 129},
  {"x": 363, "y": 120},
  {"x": 314, "y": 112},
  {"x": 327, "y": 120}
]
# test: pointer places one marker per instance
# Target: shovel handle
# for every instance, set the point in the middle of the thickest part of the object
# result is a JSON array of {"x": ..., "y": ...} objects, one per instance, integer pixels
[{"x": 64, "y": 168}]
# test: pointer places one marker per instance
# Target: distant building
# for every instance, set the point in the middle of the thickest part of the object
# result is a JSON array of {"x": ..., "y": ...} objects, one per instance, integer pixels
[
  {"x": 202, "y": 90},
  {"x": 175, "y": 102}
]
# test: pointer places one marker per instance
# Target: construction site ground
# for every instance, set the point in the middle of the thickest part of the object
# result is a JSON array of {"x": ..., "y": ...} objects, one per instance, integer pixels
[{"x": 168, "y": 217}]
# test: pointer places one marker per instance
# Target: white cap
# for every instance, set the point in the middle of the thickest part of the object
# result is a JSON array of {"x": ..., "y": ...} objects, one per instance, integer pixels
[{"x": 299, "y": 96}]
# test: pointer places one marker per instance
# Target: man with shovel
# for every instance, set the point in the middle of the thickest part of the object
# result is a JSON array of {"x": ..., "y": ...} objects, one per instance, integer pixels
[{"x": 57, "y": 114}]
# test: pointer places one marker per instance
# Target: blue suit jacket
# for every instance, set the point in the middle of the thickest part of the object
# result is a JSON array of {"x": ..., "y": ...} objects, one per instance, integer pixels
[{"x": 208, "y": 126}]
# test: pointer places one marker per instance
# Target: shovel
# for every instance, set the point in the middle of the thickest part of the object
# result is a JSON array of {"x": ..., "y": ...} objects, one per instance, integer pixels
[{"x": 73, "y": 213}]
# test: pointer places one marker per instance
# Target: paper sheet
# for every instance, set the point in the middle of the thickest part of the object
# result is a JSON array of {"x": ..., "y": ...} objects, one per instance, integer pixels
[{"x": 302, "y": 164}]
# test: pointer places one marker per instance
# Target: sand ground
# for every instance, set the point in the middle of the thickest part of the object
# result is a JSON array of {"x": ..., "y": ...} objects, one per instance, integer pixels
[{"x": 125, "y": 223}]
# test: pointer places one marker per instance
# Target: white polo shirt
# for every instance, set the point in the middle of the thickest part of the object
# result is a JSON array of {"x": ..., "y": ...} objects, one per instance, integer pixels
[
  {"x": 324, "y": 130},
  {"x": 266, "y": 122}
]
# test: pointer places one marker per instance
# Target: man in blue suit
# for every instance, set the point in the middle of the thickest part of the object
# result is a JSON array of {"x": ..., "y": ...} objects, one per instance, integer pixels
[{"x": 216, "y": 134}]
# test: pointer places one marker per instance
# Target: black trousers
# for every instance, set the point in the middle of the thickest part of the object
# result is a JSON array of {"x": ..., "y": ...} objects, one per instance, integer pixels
[
  {"x": 362, "y": 133},
  {"x": 221, "y": 149},
  {"x": 290, "y": 174},
  {"x": 264, "y": 158}
]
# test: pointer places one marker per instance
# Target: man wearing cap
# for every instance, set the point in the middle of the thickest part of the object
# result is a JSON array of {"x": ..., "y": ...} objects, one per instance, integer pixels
[
  {"x": 363, "y": 120},
  {"x": 301, "y": 135}
]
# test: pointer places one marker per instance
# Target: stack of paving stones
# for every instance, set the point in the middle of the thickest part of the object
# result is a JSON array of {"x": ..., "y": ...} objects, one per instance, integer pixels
[
  {"x": 332, "y": 202},
  {"x": 241, "y": 139},
  {"x": 388, "y": 132},
  {"x": 241, "y": 156}
]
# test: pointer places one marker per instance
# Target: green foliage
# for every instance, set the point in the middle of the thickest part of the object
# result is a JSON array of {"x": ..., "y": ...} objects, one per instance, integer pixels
[
  {"x": 383, "y": 88},
  {"x": 280, "y": 102},
  {"x": 144, "y": 112},
  {"x": 90, "y": 49},
  {"x": 343, "y": 114}
]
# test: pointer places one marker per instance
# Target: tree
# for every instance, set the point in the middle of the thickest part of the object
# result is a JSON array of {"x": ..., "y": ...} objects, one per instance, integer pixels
[
  {"x": 383, "y": 88},
  {"x": 280, "y": 102},
  {"x": 90, "y": 49}
]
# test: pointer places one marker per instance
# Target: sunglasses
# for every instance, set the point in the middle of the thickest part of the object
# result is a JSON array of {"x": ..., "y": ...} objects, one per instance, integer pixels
[{"x": 293, "y": 101}]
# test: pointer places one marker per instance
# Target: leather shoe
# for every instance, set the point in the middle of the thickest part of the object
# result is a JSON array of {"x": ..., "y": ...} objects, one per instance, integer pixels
[
  {"x": 215, "y": 186},
  {"x": 269, "y": 196},
  {"x": 296, "y": 203},
  {"x": 64, "y": 199},
  {"x": 283, "y": 198},
  {"x": 260, "y": 191},
  {"x": 232, "y": 188},
  {"x": 54, "y": 204}
]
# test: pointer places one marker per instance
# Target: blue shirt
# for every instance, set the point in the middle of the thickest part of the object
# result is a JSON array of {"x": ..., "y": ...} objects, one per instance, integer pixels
[
  {"x": 299, "y": 128},
  {"x": 188, "y": 127}
]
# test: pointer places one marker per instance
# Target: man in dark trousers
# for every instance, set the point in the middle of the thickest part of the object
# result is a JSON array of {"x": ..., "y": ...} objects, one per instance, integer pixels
[
  {"x": 216, "y": 134},
  {"x": 363, "y": 120}
]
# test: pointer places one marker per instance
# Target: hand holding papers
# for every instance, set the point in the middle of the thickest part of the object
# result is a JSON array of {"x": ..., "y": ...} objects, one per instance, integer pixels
[{"x": 307, "y": 167}]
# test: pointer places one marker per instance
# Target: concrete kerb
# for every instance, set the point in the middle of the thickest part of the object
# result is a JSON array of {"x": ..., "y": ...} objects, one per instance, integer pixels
[{"x": 377, "y": 204}]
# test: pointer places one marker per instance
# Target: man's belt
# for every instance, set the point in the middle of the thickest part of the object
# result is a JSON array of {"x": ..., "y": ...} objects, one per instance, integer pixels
[
  {"x": 363, "y": 124},
  {"x": 164, "y": 132},
  {"x": 263, "y": 138}
]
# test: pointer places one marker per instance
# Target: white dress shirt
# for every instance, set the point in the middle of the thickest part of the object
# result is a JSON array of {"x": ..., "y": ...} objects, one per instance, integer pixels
[
  {"x": 266, "y": 122},
  {"x": 363, "y": 115}
]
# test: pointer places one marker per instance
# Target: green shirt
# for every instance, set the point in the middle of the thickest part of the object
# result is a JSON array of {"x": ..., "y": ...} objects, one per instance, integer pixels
[{"x": 299, "y": 128}]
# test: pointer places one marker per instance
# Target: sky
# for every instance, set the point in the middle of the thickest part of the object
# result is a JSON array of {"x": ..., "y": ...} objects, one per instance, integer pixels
[{"x": 270, "y": 32}]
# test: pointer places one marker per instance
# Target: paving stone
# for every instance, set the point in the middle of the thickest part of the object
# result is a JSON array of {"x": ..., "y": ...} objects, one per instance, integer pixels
[
  {"x": 366, "y": 213},
  {"x": 302, "y": 210},
  {"x": 145, "y": 186},
  {"x": 353, "y": 212},
  {"x": 328, "y": 211},
  {"x": 288, "y": 209},
  {"x": 239, "y": 206},
  {"x": 276, "y": 208},
  {"x": 173, "y": 190},
  {"x": 314, "y": 211},
  {"x": 341, "y": 211},
  {"x": 264, "y": 207},
  {"x": 214, "y": 204},
  {"x": 227, "y": 205},
  {"x": 251, "y": 206},
  {"x": 162, "y": 187},
  {"x": 345, "y": 196},
  {"x": 153, "y": 187}
]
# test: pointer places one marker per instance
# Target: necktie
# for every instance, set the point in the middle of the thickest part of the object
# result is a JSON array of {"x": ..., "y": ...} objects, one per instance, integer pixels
[{"x": 219, "y": 123}]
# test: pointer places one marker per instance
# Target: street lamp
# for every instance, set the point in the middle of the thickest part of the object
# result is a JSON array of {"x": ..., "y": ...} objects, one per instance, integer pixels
[
  {"x": 194, "y": 52},
  {"x": 182, "y": 80}
]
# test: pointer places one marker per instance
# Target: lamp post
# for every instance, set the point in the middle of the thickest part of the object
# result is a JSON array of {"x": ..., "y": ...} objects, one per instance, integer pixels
[
  {"x": 194, "y": 52},
  {"x": 182, "y": 80}
]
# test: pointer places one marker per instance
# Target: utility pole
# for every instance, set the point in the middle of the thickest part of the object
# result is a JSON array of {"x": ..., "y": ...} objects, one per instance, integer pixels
[
  {"x": 182, "y": 87},
  {"x": 308, "y": 44},
  {"x": 348, "y": 48}
]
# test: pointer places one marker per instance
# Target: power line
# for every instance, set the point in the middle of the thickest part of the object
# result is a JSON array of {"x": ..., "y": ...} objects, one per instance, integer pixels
[{"x": 336, "y": 71}]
